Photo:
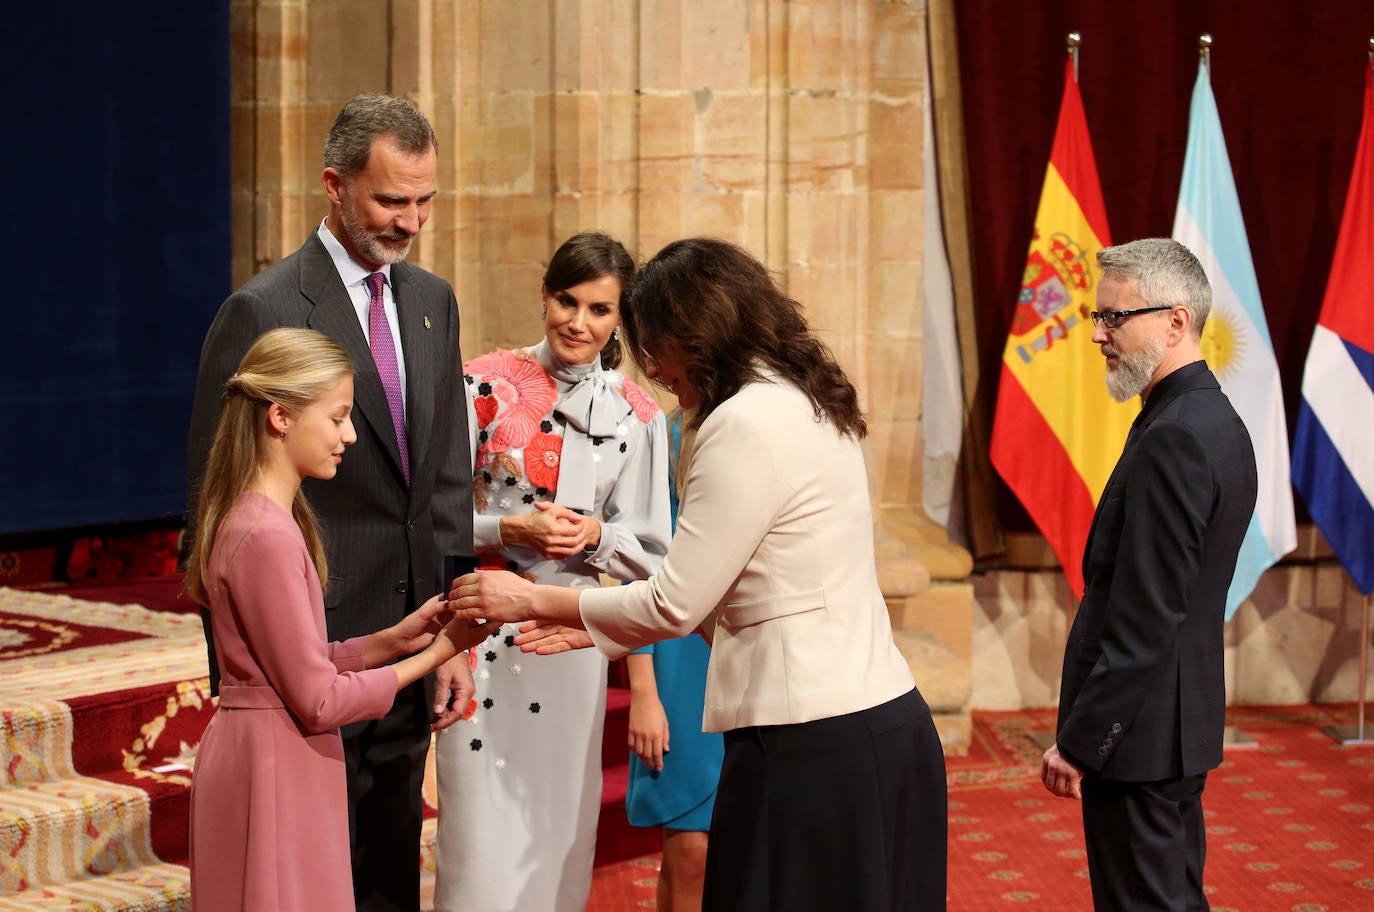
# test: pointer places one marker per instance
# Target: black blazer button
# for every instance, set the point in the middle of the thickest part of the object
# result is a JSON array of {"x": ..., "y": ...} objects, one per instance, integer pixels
[
  {"x": 1116, "y": 728},
  {"x": 401, "y": 587},
  {"x": 1102, "y": 751}
]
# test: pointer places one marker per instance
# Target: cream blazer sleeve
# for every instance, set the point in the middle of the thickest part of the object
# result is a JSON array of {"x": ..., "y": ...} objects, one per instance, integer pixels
[{"x": 775, "y": 539}]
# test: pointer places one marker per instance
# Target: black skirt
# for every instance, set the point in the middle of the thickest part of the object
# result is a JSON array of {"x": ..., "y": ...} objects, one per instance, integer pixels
[{"x": 847, "y": 813}]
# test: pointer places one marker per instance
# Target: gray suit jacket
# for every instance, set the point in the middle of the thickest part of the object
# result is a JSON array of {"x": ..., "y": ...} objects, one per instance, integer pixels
[{"x": 384, "y": 539}]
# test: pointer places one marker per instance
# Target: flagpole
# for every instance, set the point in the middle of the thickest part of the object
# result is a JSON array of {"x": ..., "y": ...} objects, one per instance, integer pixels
[
  {"x": 1044, "y": 738},
  {"x": 1231, "y": 736},
  {"x": 1355, "y": 734}
]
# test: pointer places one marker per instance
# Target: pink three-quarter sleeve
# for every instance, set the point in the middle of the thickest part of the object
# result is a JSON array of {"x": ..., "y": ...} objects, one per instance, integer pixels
[{"x": 270, "y": 580}]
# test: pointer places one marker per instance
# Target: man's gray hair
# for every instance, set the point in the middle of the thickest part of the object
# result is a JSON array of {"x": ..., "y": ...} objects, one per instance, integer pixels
[
  {"x": 367, "y": 117},
  {"x": 1168, "y": 274}
]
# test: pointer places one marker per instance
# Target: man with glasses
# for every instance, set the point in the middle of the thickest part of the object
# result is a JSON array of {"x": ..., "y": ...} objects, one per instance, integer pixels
[{"x": 1142, "y": 698}]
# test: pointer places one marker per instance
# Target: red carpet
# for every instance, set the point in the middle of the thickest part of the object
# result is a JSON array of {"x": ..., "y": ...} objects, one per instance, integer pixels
[
  {"x": 100, "y": 705},
  {"x": 1290, "y": 822}
]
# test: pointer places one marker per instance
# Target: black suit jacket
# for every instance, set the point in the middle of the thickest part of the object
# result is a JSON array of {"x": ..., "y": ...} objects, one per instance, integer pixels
[
  {"x": 1142, "y": 697},
  {"x": 385, "y": 539}
]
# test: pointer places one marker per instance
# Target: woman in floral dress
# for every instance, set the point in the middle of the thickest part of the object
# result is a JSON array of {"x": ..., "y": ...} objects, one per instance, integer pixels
[{"x": 570, "y": 481}]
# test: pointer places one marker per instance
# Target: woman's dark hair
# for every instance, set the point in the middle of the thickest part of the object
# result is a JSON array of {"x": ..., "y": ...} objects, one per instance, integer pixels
[
  {"x": 720, "y": 307},
  {"x": 587, "y": 256}
]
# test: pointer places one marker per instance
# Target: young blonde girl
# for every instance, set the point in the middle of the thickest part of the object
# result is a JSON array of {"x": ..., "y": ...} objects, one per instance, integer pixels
[{"x": 269, "y": 811}]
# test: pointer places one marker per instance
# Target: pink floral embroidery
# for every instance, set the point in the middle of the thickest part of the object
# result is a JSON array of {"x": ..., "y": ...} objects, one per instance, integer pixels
[
  {"x": 644, "y": 407},
  {"x": 525, "y": 391},
  {"x": 542, "y": 457}
]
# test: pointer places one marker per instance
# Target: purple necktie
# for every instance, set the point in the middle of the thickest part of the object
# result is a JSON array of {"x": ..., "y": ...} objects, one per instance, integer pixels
[{"x": 384, "y": 356}]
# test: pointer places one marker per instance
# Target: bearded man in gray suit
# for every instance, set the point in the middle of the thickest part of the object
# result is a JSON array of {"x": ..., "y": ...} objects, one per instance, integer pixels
[{"x": 402, "y": 498}]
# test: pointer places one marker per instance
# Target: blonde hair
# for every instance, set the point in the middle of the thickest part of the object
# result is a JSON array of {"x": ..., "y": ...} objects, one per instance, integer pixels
[{"x": 287, "y": 367}]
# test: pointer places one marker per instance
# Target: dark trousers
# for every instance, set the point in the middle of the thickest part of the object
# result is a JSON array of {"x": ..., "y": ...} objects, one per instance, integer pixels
[
  {"x": 842, "y": 813},
  {"x": 386, "y": 767},
  {"x": 1146, "y": 844}
]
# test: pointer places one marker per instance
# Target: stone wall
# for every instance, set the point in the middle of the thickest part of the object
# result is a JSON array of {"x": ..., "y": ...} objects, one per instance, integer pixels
[
  {"x": 792, "y": 128},
  {"x": 1295, "y": 640}
]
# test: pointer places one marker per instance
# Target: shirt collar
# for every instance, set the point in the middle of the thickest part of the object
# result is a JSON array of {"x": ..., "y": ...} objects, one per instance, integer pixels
[{"x": 350, "y": 270}]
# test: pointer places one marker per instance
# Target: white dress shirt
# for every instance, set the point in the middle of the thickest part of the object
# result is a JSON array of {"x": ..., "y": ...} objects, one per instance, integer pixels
[{"x": 354, "y": 276}]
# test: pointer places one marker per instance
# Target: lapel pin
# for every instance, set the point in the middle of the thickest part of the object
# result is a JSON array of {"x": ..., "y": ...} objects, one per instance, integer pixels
[{"x": 426, "y": 321}]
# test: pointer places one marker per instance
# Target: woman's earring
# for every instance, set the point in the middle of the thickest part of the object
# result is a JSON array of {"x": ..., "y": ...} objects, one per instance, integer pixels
[
  {"x": 283, "y": 434},
  {"x": 615, "y": 334}
]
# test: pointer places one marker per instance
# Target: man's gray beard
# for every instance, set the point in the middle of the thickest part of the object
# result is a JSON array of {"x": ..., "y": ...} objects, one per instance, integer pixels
[
  {"x": 1133, "y": 372},
  {"x": 367, "y": 243}
]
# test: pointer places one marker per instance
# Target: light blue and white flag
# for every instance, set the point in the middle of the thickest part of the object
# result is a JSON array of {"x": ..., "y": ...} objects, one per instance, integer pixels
[{"x": 1236, "y": 340}]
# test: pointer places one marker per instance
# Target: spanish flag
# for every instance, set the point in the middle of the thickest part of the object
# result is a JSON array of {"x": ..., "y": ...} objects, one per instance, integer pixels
[{"x": 1057, "y": 433}]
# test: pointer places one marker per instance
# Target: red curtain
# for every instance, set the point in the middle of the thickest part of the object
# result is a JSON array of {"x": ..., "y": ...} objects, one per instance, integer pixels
[{"x": 1288, "y": 80}]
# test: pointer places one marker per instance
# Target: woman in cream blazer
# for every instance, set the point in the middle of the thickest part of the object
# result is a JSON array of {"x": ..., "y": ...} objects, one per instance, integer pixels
[{"x": 832, "y": 794}]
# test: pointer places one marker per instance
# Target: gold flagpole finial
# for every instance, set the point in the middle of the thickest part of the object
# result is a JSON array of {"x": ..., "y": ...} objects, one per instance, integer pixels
[
  {"x": 1204, "y": 52},
  {"x": 1072, "y": 42}
]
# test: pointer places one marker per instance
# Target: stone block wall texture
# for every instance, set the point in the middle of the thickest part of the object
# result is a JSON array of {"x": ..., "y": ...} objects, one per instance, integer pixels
[
  {"x": 791, "y": 128},
  {"x": 1295, "y": 640}
]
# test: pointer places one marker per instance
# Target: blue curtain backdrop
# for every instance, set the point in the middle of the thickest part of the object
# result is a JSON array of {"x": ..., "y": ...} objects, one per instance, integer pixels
[{"x": 116, "y": 230}]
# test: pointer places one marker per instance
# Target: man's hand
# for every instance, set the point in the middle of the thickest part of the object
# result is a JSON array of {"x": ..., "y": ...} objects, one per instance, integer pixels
[
  {"x": 1060, "y": 776},
  {"x": 453, "y": 688}
]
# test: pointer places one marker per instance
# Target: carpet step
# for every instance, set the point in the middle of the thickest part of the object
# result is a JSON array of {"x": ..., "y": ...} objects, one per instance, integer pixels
[
  {"x": 140, "y": 729},
  {"x": 155, "y": 726},
  {"x": 54, "y": 833},
  {"x": 148, "y": 888}
]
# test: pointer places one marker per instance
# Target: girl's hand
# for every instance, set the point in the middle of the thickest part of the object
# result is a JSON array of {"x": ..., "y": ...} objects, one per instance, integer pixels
[
  {"x": 418, "y": 629},
  {"x": 459, "y": 635}
]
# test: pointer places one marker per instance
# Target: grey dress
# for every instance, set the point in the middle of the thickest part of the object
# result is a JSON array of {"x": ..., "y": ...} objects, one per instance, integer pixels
[{"x": 519, "y": 780}]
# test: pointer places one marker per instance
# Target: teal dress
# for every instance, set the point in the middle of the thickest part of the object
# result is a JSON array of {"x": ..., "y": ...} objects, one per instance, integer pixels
[{"x": 683, "y": 795}]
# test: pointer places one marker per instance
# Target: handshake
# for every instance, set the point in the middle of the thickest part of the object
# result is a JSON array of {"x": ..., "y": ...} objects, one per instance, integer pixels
[{"x": 486, "y": 598}]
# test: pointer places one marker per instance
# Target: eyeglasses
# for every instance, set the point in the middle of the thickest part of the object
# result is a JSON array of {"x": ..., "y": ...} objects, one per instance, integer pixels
[
  {"x": 1112, "y": 318},
  {"x": 648, "y": 362}
]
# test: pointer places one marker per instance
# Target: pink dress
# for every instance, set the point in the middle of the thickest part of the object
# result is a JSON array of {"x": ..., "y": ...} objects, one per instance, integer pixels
[{"x": 269, "y": 805}]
